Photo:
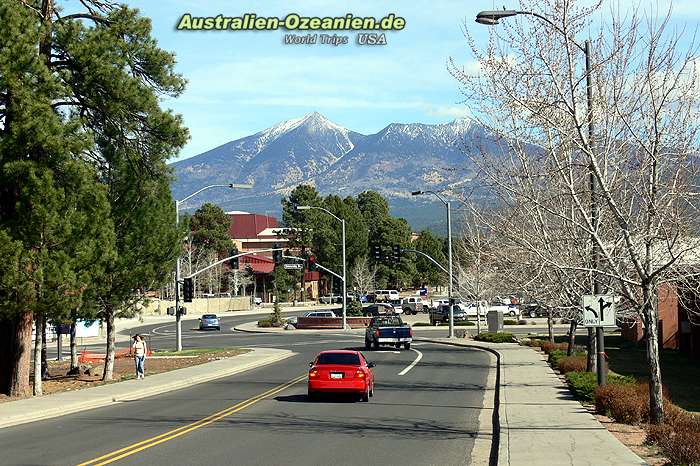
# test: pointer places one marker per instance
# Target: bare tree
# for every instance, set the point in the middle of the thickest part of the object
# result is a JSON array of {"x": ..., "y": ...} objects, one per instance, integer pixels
[
  {"x": 362, "y": 276},
  {"x": 639, "y": 209}
]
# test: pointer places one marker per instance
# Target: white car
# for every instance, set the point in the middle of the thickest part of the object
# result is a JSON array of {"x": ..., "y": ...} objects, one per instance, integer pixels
[
  {"x": 436, "y": 303},
  {"x": 472, "y": 308},
  {"x": 511, "y": 310},
  {"x": 294, "y": 319}
]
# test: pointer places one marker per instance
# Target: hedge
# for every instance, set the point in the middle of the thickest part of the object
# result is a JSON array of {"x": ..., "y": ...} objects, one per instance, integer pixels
[
  {"x": 584, "y": 384},
  {"x": 495, "y": 337}
]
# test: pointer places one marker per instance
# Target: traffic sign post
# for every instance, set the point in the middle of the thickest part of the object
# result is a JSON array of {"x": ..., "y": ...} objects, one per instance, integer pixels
[{"x": 599, "y": 312}]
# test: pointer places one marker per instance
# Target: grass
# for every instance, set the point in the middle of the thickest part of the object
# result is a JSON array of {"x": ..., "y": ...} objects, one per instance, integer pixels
[
  {"x": 679, "y": 372},
  {"x": 201, "y": 351}
]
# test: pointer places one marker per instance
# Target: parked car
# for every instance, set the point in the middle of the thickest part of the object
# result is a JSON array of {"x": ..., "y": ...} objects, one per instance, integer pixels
[
  {"x": 209, "y": 321},
  {"x": 442, "y": 314},
  {"x": 412, "y": 305},
  {"x": 293, "y": 320},
  {"x": 378, "y": 309},
  {"x": 257, "y": 301},
  {"x": 341, "y": 371},
  {"x": 388, "y": 330},
  {"x": 508, "y": 309},
  {"x": 472, "y": 308},
  {"x": 437, "y": 302},
  {"x": 330, "y": 299},
  {"x": 534, "y": 309},
  {"x": 381, "y": 296}
]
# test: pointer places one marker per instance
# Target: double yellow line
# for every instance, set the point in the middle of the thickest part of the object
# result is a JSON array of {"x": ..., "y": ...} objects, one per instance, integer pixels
[{"x": 158, "y": 439}]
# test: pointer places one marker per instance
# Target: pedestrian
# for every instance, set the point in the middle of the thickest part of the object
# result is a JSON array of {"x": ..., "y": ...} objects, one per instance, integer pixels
[{"x": 138, "y": 348}]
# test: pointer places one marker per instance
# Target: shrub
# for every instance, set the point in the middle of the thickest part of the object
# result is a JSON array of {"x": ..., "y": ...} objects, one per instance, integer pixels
[
  {"x": 576, "y": 363},
  {"x": 264, "y": 323},
  {"x": 626, "y": 403},
  {"x": 522, "y": 322},
  {"x": 495, "y": 337},
  {"x": 510, "y": 322},
  {"x": 679, "y": 437},
  {"x": 421, "y": 324},
  {"x": 547, "y": 346},
  {"x": 555, "y": 356},
  {"x": 355, "y": 309},
  {"x": 584, "y": 384}
]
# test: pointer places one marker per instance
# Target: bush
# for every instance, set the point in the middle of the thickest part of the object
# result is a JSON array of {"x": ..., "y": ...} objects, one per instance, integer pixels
[
  {"x": 626, "y": 403},
  {"x": 679, "y": 437},
  {"x": 547, "y": 346},
  {"x": 421, "y": 324},
  {"x": 522, "y": 322},
  {"x": 265, "y": 323},
  {"x": 555, "y": 356},
  {"x": 355, "y": 309},
  {"x": 510, "y": 322},
  {"x": 584, "y": 384},
  {"x": 495, "y": 337},
  {"x": 576, "y": 363}
]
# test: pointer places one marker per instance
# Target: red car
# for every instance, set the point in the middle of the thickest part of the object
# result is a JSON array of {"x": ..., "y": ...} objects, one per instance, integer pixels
[{"x": 341, "y": 371}]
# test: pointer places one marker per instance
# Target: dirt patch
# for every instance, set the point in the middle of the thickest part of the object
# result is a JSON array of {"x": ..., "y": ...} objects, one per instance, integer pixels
[
  {"x": 633, "y": 438},
  {"x": 124, "y": 369}
]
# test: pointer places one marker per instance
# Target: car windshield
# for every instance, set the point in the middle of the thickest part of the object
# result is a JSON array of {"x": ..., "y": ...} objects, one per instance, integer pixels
[
  {"x": 390, "y": 321},
  {"x": 348, "y": 359},
  {"x": 209, "y": 316}
]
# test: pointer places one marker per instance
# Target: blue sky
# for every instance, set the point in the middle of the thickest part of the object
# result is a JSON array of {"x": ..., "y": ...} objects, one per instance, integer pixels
[{"x": 241, "y": 82}]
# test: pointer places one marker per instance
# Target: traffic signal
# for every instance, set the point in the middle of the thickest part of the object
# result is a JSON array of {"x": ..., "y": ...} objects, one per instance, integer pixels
[
  {"x": 277, "y": 255},
  {"x": 233, "y": 263},
  {"x": 187, "y": 290},
  {"x": 312, "y": 263},
  {"x": 396, "y": 253},
  {"x": 377, "y": 251}
]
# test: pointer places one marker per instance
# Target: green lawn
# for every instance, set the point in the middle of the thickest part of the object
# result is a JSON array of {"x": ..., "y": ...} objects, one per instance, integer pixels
[{"x": 680, "y": 373}]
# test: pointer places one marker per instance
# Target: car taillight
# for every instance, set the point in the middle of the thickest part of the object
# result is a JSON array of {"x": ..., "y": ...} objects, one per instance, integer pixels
[
  {"x": 360, "y": 374},
  {"x": 376, "y": 333},
  {"x": 313, "y": 373},
  {"x": 410, "y": 332}
]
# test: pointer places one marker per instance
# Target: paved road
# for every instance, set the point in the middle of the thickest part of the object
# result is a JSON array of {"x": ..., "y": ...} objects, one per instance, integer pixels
[{"x": 427, "y": 416}]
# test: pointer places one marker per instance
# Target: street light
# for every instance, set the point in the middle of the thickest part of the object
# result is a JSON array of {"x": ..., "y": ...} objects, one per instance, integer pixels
[
  {"x": 449, "y": 253},
  {"x": 345, "y": 290},
  {"x": 178, "y": 323},
  {"x": 491, "y": 17}
]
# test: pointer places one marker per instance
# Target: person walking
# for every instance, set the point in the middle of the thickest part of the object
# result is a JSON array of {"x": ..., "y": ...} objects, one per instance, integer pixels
[{"x": 138, "y": 349}]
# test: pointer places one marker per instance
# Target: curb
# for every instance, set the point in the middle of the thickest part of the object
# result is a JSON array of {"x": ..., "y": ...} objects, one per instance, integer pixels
[{"x": 106, "y": 400}]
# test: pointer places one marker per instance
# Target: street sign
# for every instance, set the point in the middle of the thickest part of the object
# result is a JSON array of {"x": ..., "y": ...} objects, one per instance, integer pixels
[
  {"x": 298, "y": 266},
  {"x": 598, "y": 310}
]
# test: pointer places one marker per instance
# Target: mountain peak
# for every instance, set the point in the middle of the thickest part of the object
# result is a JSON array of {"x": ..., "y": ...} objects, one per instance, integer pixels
[{"x": 311, "y": 122}]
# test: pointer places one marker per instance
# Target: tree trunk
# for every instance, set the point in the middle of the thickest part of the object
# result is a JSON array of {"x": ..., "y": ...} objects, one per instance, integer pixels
[
  {"x": 572, "y": 338},
  {"x": 15, "y": 348},
  {"x": 656, "y": 404},
  {"x": 109, "y": 354},
  {"x": 550, "y": 325},
  {"x": 73, "y": 348},
  {"x": 591, "y": 362},
  {"x": 44, "y": 350},
  {"x": 38, "y": 338}
]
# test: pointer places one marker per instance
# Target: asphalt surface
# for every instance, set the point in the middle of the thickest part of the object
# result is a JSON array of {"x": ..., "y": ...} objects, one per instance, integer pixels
[{"x": 426, "y": 416}]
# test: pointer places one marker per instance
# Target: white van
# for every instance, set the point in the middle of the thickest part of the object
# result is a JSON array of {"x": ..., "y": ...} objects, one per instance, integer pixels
[{"x": 386, "y": 295}]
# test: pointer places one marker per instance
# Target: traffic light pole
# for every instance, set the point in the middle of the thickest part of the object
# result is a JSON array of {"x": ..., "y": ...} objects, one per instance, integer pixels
[
  {"x": 345, "y": 290},
  {"x": 178, "y": 318}
]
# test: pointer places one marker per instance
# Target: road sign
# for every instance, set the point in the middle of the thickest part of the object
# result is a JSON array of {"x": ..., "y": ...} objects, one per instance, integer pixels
[
  {"x": 298, "y": 266},
  {"x": 598, "y": 310}
]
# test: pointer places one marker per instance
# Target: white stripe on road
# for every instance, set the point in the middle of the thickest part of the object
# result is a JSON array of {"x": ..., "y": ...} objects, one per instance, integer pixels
[{"x": 420, "y": 356}]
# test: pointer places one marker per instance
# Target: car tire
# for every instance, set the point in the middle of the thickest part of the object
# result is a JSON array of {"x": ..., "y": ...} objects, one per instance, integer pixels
[
  {"x": 218, "y": 328},
  {"x": 407, "y": 346},
  {"x": 368, "y": 345},
  {"x": 511, "y": 313},
  {"x": 311, "y": 396},
  {"x": 365, "y": 396},
  {"x": 371, "y": 391},
  {"x": 375, "y": 345},
  {"x": 533, "y": 314}
]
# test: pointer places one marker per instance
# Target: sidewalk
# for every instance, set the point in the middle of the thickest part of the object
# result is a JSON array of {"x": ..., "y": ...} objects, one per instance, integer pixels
[
  {"x": 13, "y": 413},
  {"x": 540, "y": 422}
]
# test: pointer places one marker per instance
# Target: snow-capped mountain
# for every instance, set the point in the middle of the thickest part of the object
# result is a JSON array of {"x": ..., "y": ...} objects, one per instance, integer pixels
[{"x": 395, "y": 161}]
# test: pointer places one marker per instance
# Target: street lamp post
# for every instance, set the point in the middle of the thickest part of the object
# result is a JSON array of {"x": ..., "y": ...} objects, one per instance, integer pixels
[
  {"x": 449, "y": 254},
  {"x": 345, "y": 290},
  {"x": 491, "y": 18},
  {"x": 178, "y": 318}
]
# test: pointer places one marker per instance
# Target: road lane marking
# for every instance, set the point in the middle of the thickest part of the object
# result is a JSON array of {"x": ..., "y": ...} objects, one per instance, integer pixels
[
  {"x": 412, "y": 365},
  {"x": 164, "y": 437}
]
